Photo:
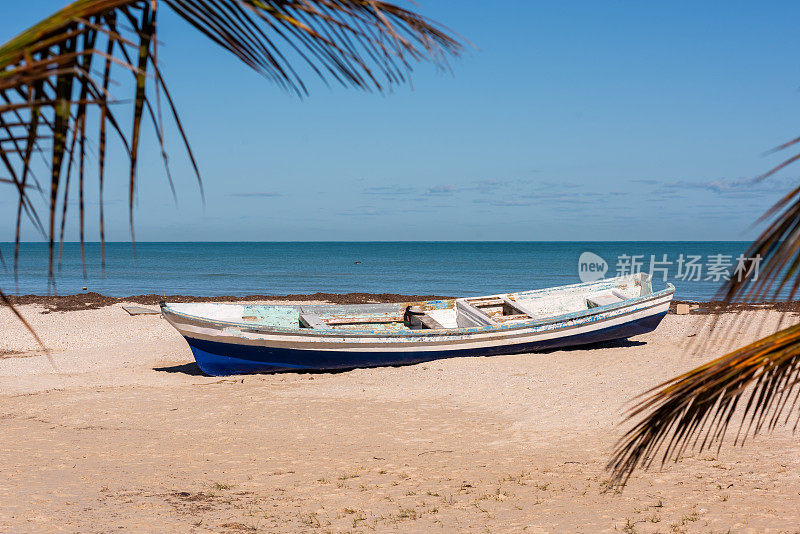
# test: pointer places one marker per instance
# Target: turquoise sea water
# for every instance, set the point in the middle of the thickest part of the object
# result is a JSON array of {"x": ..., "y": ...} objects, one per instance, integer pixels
[{"x": 442, "y": 268}]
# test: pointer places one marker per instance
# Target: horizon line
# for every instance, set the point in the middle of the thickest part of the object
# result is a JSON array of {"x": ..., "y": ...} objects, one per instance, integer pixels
[{"x": 55, "y": 244}]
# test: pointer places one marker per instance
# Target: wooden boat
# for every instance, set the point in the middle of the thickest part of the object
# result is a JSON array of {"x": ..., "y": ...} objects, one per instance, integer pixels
[{"x": 231, "y": 339}]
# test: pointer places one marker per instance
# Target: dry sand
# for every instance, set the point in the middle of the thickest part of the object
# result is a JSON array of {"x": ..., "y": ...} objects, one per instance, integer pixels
[{"x": 127, "y": 435}]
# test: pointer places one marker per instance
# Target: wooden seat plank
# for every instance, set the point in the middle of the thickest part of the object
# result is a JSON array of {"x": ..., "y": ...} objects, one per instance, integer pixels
[{"x": 312, "y": 320}]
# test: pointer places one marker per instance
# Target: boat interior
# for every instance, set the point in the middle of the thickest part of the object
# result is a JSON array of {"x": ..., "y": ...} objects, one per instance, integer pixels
[{"x": 468, "y": 312}]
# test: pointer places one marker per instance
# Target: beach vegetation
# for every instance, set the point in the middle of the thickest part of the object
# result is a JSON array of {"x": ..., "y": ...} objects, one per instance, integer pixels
[
  {"x": 87, "y": 78},
  {"x": 309, "y": 519},
  {"x": 239, "y": 526},
  {"x": 629, "y": 527},
  {"x": 407, "y": 513}
]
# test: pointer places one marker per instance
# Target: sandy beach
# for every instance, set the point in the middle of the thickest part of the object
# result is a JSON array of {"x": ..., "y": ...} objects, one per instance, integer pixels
[
  {"x": 483, "y": 178},
  {"x": 117, "y": 430}
]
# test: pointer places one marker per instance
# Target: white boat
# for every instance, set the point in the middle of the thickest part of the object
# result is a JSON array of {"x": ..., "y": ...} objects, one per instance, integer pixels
[{"x": 231, "y": 339}]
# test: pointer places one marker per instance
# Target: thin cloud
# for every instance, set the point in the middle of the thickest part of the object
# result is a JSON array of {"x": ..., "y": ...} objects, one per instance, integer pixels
[
  {"x": 737, "y": 187},
  {"x": 257, "y": 194},
  {"x": 721, "y": 185},
  {"x": 487, "y": 186},
  {"x": 389, "y": 190},
  {"x": 494, "y": 184},
  {"x": 446, "y": 189},
  {"x": 362, "y": 211},
  {"x": 510, "y": 203}
]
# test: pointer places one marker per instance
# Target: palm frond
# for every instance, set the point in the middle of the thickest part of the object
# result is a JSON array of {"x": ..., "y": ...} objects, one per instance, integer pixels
[
  {"x": 696, "y": 408},
  {"x": 701, "y": 403},
  {"x": 773, "y": 259},
  {"x": 51, "y": 90},
  {"x": 5, "y": 300}
]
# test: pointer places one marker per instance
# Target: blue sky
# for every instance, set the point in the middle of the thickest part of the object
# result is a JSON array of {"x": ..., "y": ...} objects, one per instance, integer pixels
[{"x": 567, "y": 121}]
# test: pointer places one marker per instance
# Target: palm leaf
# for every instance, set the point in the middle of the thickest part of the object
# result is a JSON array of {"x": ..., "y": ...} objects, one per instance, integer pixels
[
  {"x": 696, "y": 408},
  {"x": 775, "y": 253},
  {"x": 49, "y": 91}
]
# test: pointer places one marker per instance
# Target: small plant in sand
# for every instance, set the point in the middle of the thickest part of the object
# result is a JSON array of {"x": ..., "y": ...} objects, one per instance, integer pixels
[
  {"x": 629, "y": 527},
  {"x": 348, "y": 476},
  {"x": 309, "y": 519},
  {"x": 407, "y": 513}
]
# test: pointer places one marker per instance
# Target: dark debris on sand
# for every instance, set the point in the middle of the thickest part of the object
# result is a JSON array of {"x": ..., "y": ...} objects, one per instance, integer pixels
[
  {"x": 93, "y": 301},
  {"x": 716, "y": 307}
]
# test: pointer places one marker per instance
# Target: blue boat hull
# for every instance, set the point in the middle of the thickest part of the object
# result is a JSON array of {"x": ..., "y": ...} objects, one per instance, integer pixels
[{"x": 223, "y": 359}]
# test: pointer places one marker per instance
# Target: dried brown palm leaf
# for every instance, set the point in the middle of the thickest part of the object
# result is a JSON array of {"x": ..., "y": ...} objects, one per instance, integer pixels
[{"x": 775, "y": 254}]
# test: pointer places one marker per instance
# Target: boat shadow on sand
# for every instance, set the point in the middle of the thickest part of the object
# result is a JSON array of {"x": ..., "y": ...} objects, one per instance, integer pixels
[
  {"x": 192, "y": 369},
  {"x": 614, "y": 343}
]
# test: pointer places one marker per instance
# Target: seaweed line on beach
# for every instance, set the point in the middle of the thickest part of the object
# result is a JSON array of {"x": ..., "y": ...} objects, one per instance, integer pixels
[
  {"x": 92, "y": 300},
  {"x": 716, "y": 307}
]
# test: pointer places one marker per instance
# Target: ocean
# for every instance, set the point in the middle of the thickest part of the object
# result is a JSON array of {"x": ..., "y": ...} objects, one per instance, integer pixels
[{"x": 697, "y": 269}]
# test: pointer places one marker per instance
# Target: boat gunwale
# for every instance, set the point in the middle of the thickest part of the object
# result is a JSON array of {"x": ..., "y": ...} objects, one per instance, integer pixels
[{"x": 439, "y": 332}]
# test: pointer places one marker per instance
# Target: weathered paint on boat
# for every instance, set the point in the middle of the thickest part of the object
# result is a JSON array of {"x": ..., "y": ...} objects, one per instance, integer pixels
[
  {"x": 222, "y": 359},
  {"x": 225, "y": 346}
]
